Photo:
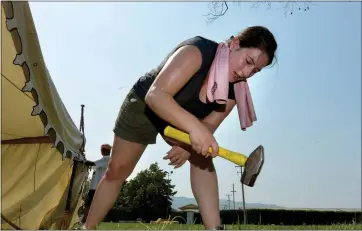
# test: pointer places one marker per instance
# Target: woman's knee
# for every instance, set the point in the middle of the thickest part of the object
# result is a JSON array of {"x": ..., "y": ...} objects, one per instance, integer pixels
[
  {"x": 125, "y": 155},
  {"x": 118, "y": 171}
]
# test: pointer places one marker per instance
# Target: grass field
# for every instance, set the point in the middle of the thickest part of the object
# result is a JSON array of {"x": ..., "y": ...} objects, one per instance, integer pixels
[{"x": 145, "y": 226}]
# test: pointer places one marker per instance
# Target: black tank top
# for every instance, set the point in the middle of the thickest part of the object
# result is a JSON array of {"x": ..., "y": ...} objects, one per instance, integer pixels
[{"x": 188, "y": 96}]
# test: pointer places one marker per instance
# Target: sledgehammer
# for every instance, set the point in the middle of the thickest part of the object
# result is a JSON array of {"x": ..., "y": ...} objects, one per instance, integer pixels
[{"x": 252, "y": 164}]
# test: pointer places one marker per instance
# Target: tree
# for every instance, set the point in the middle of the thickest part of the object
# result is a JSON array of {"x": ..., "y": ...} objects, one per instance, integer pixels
[
  {"x": 219, "y": 8},
  {"x": 149, "y": 191},
  {"x": 122, "y": 200}
]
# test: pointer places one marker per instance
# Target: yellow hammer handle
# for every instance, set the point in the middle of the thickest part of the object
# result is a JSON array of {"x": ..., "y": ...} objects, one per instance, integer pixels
[{"x": 236, "y": 158}]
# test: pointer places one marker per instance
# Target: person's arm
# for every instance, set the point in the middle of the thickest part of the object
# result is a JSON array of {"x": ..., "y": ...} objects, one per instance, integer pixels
[
  {"x": 101, "y": 162},
  {"x": 181, "y": 152},
  {"x": 215, "y": 118},
  {"x": 212, "y": 122},
  {"x": 177, "y": 71},
  {"x": 90, "y": 163}
]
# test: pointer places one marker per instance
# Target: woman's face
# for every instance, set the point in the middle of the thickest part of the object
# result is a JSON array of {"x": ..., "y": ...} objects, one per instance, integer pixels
[{"x": 245, "y": 62}]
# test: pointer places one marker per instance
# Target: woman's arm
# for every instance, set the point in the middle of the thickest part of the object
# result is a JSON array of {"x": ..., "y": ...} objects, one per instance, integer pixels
[
  {"x": 214, "y": 120},
  {"x": 178, "y": 70},
  {"x": 179, "y": 154}
]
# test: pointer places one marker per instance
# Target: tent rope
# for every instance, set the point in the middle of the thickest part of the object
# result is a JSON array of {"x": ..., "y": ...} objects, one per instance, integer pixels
[{"x": 10, "y": 223}]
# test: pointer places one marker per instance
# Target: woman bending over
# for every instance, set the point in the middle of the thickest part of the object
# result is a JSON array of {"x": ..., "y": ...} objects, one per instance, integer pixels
[{"x": 194, "y": 89}]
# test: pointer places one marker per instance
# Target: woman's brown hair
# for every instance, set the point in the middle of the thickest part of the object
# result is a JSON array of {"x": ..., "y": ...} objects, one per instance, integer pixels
[{"x": 257, "y": 37}]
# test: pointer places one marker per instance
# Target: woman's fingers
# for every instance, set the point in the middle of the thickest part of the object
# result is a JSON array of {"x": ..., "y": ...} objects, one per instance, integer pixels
[
  {"x": 178, "y": 156},
  {"x": 173, "y": 159},
  {"x": 197, "y": 148},
  {"x": 215, "y": 148},
  {"x": 177, "y": 161},
  {"x": 173, "y": 152},
  {"x": 180, "y": 163},
  {"x": 204, "y": 150}
]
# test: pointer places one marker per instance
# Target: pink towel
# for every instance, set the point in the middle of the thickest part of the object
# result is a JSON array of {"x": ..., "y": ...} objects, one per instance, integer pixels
[{"x": 218, "y": 87}]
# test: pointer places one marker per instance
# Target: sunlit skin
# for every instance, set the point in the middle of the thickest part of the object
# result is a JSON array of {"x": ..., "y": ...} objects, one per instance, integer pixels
[{"x": 245, "y": 62}]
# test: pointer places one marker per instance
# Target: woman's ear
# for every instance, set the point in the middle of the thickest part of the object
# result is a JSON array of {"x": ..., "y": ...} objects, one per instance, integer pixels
[{"x": 234, "y": 43}]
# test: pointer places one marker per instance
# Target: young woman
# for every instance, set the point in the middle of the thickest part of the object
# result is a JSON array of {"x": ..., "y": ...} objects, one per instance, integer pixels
[{"x": 192, "y": 90}]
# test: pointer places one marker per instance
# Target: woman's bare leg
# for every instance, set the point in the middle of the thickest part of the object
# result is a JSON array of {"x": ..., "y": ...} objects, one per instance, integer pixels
[
  {"x": 125, "y": 156},
  {"x": 205, "y": 188}
]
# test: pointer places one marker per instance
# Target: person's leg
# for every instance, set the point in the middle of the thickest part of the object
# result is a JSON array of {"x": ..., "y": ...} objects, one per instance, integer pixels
[
  {"x": 85, "y": 214},
  {"x": 87, "y": 204},
  {"x": 205, "y": 189},
  {"x": 133, "y": 132},
  {"x": 125, "y": 156}
]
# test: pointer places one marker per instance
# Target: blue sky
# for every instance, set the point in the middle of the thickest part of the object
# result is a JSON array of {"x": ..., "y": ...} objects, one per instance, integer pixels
[{"x": 308, "y": 105}]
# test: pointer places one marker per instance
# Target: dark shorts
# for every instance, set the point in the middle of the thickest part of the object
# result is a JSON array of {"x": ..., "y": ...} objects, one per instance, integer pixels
[
  {"x": 132, "y": 124},
  {"x": 90, "y": 196}
]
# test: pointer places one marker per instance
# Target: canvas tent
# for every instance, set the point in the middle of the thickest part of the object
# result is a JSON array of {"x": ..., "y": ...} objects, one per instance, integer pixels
[{"x": 42, "y": 162}]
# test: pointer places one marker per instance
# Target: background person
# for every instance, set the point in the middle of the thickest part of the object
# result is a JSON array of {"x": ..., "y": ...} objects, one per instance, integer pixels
[{"x": 99, "y": 169}]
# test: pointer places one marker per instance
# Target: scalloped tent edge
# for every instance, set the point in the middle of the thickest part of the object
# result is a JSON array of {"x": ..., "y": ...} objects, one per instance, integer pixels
[
  {"x": 42, "y": 159},
  {"x": 58, "y": 125}
]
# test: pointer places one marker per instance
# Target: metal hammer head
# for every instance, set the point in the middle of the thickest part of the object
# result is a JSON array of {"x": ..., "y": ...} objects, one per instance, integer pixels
[{"x": 253, "y": 166}]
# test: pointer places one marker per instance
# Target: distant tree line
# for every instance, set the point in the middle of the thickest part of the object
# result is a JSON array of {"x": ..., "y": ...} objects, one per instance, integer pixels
[{"x": 255, "y": 217}]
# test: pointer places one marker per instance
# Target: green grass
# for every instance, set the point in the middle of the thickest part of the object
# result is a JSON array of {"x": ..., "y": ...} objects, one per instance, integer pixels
[{"x": 145, "y": 226}]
